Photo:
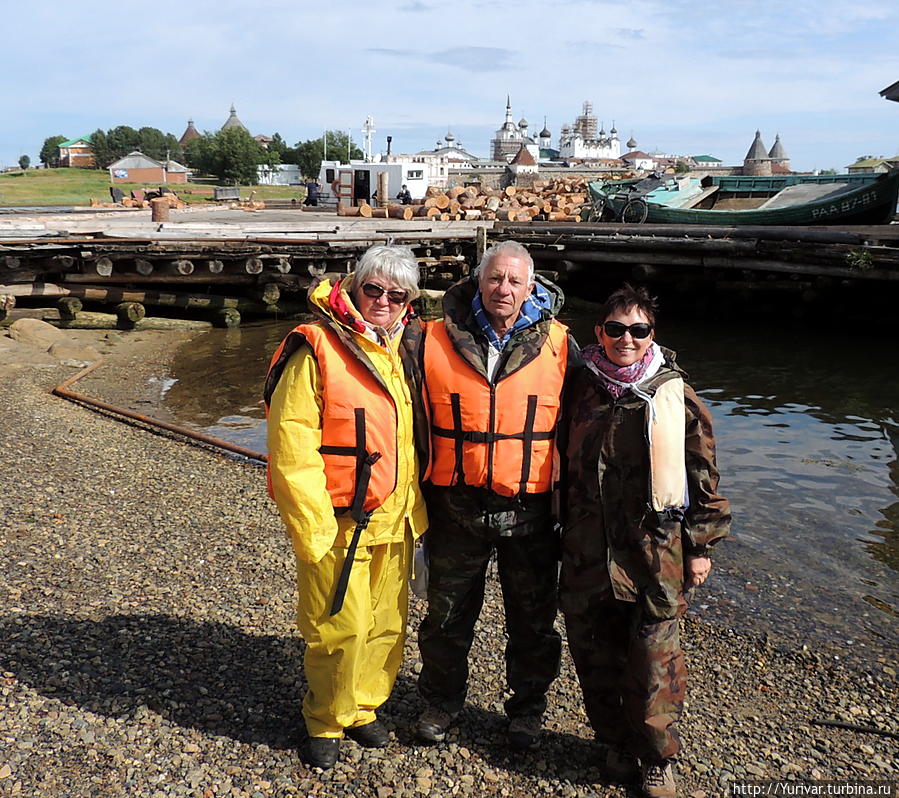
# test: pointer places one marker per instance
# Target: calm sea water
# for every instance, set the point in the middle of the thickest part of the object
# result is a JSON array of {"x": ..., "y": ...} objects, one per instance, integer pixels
[{"x": 808, "y": 448}]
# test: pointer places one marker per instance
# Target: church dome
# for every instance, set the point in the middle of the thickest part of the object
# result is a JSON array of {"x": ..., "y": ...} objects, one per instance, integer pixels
[
  {"x": 522, "y": 122},
  {"x": 631, "y": 143}
]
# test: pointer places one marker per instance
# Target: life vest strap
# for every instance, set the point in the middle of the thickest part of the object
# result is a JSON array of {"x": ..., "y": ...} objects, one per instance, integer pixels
[
  {"x": 489, "y": 437},
  {"x": 476, "y": 436},
  {"x": 364, "y": 463}
]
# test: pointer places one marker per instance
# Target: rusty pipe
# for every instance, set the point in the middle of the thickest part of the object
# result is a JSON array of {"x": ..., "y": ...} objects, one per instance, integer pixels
[{"x": 62, "y": 390}]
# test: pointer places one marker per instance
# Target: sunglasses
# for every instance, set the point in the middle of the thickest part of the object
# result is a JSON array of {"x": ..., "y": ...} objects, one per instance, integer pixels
[
  {"x": 615, "y": 329},
  {"x": 376, "y": 292}
]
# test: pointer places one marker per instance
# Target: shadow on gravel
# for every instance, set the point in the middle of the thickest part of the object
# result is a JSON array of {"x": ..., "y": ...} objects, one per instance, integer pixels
[{"x": 209, "y": 676}]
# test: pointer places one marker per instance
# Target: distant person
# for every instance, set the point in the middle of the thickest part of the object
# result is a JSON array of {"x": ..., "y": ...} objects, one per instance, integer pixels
[
  {"x": 348, "y": 442},
  {"x": 404, "y": 196},
  {"x": 641, "y": 513},
  {"x": 312, "y": 189}
]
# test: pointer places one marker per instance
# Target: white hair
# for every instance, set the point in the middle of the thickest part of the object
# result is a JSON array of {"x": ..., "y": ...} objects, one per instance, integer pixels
[
  {"x": 511, "y": 248},
  {"x": 394, "y": 264}
]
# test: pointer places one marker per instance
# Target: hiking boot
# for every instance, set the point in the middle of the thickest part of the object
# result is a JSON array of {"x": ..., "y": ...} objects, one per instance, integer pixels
[
  {"x": 433, "y": 724},
  {"x": 524, "y": 731},
  {"x": 370, "y": 735},
  {"x": 620, "y": 765},
  {"x": 321, "y": 752},
  {"x": 658, "y": 780}
]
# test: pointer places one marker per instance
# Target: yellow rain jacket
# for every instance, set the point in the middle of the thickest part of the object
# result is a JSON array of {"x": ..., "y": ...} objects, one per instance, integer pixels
[{"x": 297, "y": 470}]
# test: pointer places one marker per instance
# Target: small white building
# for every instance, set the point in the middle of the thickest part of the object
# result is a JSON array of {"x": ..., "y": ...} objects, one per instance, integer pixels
[
  {"x": 357, "y": 181},
  {"x": 283, "y": 174}
]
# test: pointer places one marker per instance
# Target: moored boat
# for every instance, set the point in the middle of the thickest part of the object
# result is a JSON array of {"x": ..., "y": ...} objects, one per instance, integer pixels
[{"x": 779, "y": 200}]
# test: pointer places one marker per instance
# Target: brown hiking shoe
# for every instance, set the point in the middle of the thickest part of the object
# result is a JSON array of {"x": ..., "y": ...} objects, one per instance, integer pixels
[
  {"x": 433, "y": 724},
  {"x": 658, "y": 780},
  {"x": 620, "y": 765}
]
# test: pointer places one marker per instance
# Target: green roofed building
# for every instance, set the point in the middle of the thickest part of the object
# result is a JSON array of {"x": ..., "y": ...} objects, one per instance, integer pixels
[{"x": 77, "y": 152}]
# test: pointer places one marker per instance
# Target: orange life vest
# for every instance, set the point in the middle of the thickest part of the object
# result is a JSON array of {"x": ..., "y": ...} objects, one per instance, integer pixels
[
  {"x": 497, "y": 436},
  {"x": 358, "y": 418}
]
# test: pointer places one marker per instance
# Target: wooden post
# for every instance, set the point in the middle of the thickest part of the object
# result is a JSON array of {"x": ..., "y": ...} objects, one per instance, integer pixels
[
  {"x": 159, "y": 209},
  {"x": 383, "y": 199},
  {"x": 480, "y": 237},
  {"x": 253, "y": 265},
  {"x": 215, "y": 266}
]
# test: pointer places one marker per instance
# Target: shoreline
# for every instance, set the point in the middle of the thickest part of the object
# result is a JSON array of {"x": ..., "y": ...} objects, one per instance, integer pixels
[{"x": 148, "y": 645}]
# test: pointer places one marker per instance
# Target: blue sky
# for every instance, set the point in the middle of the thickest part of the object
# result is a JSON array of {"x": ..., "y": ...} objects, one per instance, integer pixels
[{"x": 685, "y": 77}]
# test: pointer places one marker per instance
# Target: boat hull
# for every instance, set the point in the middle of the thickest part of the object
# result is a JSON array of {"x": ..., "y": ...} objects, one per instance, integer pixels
[{"x": 871, "y": 203}]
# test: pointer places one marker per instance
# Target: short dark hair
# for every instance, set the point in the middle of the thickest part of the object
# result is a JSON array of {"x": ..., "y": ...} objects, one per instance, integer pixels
[{"x": 628, "y": 297}]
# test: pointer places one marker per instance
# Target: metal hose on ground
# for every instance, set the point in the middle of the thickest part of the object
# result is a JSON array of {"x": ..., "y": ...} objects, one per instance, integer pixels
[{"x": 62, "y": 390}]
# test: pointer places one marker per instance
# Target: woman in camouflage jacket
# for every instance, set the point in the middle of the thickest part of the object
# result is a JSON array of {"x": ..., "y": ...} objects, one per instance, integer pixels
[{"x": 640, "y": 514}]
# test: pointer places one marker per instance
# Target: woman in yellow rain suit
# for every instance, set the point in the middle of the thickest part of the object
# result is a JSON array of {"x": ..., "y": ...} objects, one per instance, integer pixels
[{"x": 348, "y": 445}]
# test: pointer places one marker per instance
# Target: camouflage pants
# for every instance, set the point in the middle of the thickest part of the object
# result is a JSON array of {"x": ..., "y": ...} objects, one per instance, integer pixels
[
  {"x": 633, "y": 676},
  {"x": 528, "y": 575}
]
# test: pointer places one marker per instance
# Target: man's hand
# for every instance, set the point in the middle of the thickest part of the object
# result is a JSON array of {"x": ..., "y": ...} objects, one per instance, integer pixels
[{"x": 697, "y": 570}]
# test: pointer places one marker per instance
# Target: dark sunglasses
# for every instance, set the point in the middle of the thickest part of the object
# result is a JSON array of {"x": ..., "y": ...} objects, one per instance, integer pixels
[
  {"x": 615, "y": 329},
  {"x": 393, "y": 297}
]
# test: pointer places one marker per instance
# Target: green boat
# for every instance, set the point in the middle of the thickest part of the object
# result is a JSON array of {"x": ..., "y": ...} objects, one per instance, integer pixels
[{"x": 792, "y": 200}]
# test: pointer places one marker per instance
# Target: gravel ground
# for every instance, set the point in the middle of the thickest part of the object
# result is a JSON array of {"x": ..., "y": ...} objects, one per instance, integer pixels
[{"x": 147, "y": 645}]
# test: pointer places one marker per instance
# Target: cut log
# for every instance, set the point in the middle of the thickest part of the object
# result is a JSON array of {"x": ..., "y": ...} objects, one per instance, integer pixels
[
  {"x": 215, "y": 266},
  {"x": 128, "y": 313},
  {"x": 492, "y": 203},
  {"x": 268, "y": 294},
  {"x": 509, "y": 191},
  {"x": 347, "y": 210},
  {"x": 227, "y": 317},
  {"x": 379, "y": 213},
  {"x": 282, "y": 265},
  {"x": 143, "y": 266},
  {"x": 87, "y": 320},
  {"x": 68, "y": 306},
  {"x": 103, "y": 266},
  {"x": 253, "y": 266},
  {"x": 365, "y": 210},
  {"x": 442, "y": 202},
  {"x": 182, "y": 266},
  {"x": 400, "y": 212}
]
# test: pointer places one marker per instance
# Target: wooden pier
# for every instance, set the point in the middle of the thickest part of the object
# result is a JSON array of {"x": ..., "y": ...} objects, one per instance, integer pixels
[{"x": 226, "y": 266}]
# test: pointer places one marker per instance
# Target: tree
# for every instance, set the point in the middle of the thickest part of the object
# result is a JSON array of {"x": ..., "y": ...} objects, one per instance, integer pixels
[
  {"x": 50, "y": 151},
  {"x": 680, "y": 167},
  {"x": 24, "y": 162},
  {"x": 232, "y": 155},
  {"x": 239, "y": 154},
  {"x": 102, "y": 152},
  {"x": 311, "y": 153},
  {"x": 151, "y": 142}
]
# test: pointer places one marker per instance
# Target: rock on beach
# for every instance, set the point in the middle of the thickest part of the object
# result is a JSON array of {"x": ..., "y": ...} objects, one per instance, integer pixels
[{"x": 147, "y": 642}]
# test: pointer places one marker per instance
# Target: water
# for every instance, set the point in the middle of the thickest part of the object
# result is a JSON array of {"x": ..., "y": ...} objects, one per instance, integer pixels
[{"x": 806, "y": 424}]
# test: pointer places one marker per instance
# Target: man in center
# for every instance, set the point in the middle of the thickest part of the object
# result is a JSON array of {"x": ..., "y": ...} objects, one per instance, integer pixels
[{"x": 494, "y": 368}]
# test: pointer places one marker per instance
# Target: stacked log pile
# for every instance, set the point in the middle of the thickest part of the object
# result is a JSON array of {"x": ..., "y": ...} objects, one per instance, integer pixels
[{"x": 543, "y": 201}]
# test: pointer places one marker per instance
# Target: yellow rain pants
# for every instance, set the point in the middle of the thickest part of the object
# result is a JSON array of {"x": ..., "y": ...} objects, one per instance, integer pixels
[{"x": 352, "y": 658}]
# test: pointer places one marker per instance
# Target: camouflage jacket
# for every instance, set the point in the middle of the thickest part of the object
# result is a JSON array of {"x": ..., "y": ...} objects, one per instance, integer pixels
[
  {"x": 479, "y": 509},
  {"x": 612, "y": 539}
]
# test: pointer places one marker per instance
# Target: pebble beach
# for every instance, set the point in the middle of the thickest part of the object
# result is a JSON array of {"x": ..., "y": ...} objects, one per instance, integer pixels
[{"x": 147, "y": 642}]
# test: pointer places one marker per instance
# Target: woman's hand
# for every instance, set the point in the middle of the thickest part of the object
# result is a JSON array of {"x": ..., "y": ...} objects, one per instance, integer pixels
[{"x": 697, "y": 570}]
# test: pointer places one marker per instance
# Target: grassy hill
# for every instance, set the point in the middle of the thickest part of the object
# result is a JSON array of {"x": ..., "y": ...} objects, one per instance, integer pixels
[{"x": 36, "y": 187}]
